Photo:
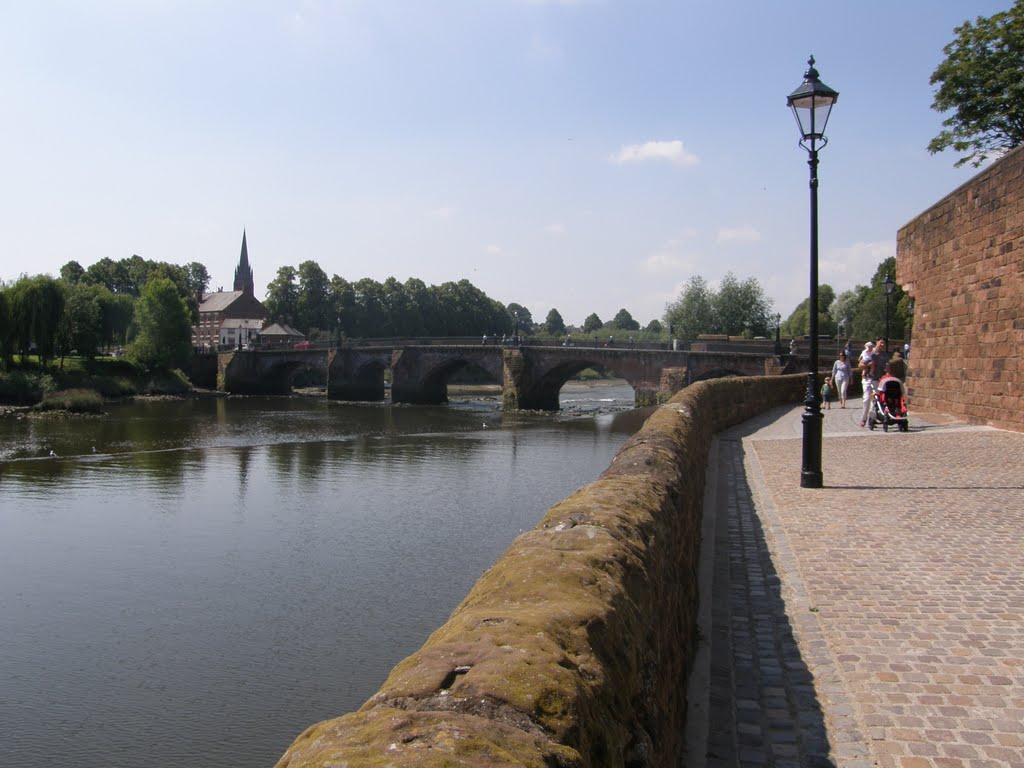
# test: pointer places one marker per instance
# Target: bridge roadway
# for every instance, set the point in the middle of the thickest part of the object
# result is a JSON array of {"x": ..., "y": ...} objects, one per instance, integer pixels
[{"x": 530, "y": 376}]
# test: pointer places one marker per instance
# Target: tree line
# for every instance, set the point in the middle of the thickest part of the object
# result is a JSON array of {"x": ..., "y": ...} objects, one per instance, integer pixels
[{"x": 148, "y": 308}]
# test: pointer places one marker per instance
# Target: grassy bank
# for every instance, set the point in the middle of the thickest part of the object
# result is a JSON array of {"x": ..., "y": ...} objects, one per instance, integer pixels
[{"x": 29, "y": 383}]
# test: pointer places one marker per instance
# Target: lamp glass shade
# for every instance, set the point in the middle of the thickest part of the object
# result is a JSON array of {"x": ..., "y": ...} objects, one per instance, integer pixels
[
  {"x": 889, "y": 285},
  {"x": 812, "y": 103}
]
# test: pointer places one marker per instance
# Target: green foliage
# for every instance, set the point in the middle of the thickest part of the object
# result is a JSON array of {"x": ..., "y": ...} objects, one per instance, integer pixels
[
  {"x": 72, "y": 273},
  {"x": 82, "y": 324},
  {"x": 519, "y": 314},
  {"x": 24, "y": 387},
  {"x": 737, "y": 308},
  {"x": 282, "y": 301},
  {"x": 554, "y": 325},
  {"x": 592, "y": 323},
  {"x": 741, "y": 308},
  {"x": 6, "y": 328},
  {"x": 164, "y": 327},
  {"x": 798, "y": 324},
  {"x": 313, "y": 302},
  {"x": 981, "y": 82},
  {"x": 654, "y": 328},
  {"x": 624, "y": 321},
  {"x": 74, "y": 400},
  {"x": 36, "y": 308},
  {"x": 869, "y": 322}
]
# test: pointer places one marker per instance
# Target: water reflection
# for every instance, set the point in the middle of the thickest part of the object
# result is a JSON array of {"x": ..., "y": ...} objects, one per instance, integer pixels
[{"x": 222, "y": 573}]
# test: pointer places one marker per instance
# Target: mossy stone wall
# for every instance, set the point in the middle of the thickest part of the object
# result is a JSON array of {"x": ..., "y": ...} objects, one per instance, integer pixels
[{"x": 574, "y": 648}]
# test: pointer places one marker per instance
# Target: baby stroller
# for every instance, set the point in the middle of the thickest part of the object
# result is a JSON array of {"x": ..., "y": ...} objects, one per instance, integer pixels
[{"x": 888, "y": 405}]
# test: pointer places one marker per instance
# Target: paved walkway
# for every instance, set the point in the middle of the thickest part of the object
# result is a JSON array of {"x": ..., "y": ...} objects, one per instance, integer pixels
[{"x": 878, "y": 621}]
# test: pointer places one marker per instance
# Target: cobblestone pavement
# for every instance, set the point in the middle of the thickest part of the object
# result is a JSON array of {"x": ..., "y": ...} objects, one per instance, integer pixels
[{"x": 878, "y": 621}]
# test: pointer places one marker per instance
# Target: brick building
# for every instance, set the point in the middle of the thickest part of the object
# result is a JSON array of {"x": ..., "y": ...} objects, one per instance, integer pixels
[
  {"x": 230, "y": 318},
  {"x": 962, "y": 262}
]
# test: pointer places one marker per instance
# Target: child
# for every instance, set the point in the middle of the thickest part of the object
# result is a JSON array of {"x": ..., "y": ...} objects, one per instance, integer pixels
[{"x": 826, "y": 393}]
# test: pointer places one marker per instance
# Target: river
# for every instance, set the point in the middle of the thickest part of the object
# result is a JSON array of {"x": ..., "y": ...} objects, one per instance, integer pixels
[{"x": 193, "y": 582}]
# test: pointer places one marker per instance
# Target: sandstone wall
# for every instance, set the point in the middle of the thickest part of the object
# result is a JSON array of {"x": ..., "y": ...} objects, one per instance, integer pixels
[
  {"x": 962, "y": 261},
  {"x": 574, "y": 648}
]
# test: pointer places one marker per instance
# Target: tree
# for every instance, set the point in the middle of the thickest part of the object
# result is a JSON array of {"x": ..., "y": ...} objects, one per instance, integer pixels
[
  {"x": 525, "y": 317},
  {"x": 118, "y": 311},
  {"x": 692, "y": 313},
  {"x": 313, "y": 302},
  {"x": 869, "y": 322},
  {"x": 846, "y": 306},
  {"x": 197, "y": 278},
  {"x": 164, "y": 327},
  {"x": 798, "y": 324},
  {"x": 654, "y": 327},
  {"x": 6, "y": 328},
  {"x": 82, "y": 324},
  {"x": 592, "y": 323},
  {"x": 981, "y": 81},
  {"x": 36, "y": 308},
  {"x": 624, "y": 321},
  {"x": 741, "y": 308},
  {"x": 553, "y": 323},
  {"x": 282, "y": 300},
  {"x": 72, "y": 273}
]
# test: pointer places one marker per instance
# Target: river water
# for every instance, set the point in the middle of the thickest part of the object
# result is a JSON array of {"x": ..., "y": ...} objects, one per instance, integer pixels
[{"x": 192, "y": 583}]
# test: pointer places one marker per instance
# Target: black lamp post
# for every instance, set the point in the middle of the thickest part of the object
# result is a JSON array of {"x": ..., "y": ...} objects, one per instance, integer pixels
[
  {"x": 889, "y": 284},
  {"x": 811, "y": 103},
  {"x": 778, "y": 334}
]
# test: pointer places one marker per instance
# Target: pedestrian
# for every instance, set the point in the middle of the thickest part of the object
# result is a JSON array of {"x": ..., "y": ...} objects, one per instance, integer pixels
[
  {"x": 848, "y": 349},
  {"x": 841, "y": 375},
  {"x": 873, "y": 361},
  {"x": 792, "y": 346},
  {"x": 826, "y": 393}
]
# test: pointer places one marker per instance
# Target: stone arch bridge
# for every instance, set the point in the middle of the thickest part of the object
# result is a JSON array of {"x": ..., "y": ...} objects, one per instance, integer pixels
[{"x": 531, "y": 376}]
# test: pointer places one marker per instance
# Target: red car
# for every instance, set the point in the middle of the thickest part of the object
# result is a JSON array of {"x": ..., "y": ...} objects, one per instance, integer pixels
[{"x": 304, "y": 345}]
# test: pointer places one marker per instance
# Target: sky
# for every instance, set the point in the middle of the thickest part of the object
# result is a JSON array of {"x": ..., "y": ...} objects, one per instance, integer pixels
[{"x": 583, "y": 155}]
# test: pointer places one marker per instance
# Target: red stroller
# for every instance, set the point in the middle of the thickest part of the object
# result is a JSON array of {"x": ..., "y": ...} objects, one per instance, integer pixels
[{"x": 890, "y": 405}]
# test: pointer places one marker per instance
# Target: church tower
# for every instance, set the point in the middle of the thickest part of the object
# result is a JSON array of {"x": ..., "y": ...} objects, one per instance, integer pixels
[{"x": 243, "y": 272}]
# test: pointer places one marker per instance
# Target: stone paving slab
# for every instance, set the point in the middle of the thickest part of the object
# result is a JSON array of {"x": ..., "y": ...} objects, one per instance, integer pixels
[{"x": 878, "y": 621}]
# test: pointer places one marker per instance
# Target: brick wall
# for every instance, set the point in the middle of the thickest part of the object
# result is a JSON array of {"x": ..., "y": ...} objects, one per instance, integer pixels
[{"x": 962, "y": 262}]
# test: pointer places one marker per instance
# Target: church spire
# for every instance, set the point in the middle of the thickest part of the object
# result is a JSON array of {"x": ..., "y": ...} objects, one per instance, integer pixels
[{"x": 243, "y": 272}]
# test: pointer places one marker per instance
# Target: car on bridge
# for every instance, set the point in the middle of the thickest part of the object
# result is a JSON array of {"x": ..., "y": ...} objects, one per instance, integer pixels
[{"x": 304, "y": 345}]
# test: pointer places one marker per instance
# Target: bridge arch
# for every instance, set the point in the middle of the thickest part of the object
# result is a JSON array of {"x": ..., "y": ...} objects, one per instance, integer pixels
[
  {"x": 421, "y": 376},
  {"x": 359, "y": 377}
]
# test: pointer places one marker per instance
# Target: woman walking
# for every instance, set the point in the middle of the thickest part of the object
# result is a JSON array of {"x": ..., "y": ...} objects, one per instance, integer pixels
[{"x": 841, "y": 376}]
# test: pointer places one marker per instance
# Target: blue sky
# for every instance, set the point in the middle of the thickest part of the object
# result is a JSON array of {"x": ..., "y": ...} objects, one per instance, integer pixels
[{"x": 586, "y": 155}]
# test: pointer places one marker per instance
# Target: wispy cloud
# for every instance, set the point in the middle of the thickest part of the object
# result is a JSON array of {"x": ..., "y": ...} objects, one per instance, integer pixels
[
  {"x": 444, "y": 212},
  {"x": 669, "y": 258},
  {"x": 493, "y": 250},
  {"x": 854, "y": 263},
  {"x": 743, "y": 234},
  {"x": 555, "y": 229},
  {"x": 670, "y": 151}
]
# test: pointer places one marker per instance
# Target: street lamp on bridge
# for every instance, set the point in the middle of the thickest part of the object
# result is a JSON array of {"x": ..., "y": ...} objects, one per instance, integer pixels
[
  {"x": 778, "y": 333},
  {"x": 812, "y": 103}
]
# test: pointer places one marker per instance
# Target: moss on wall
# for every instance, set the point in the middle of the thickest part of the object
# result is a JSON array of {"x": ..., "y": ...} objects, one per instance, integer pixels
[{"x": 574, "y": 648}]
